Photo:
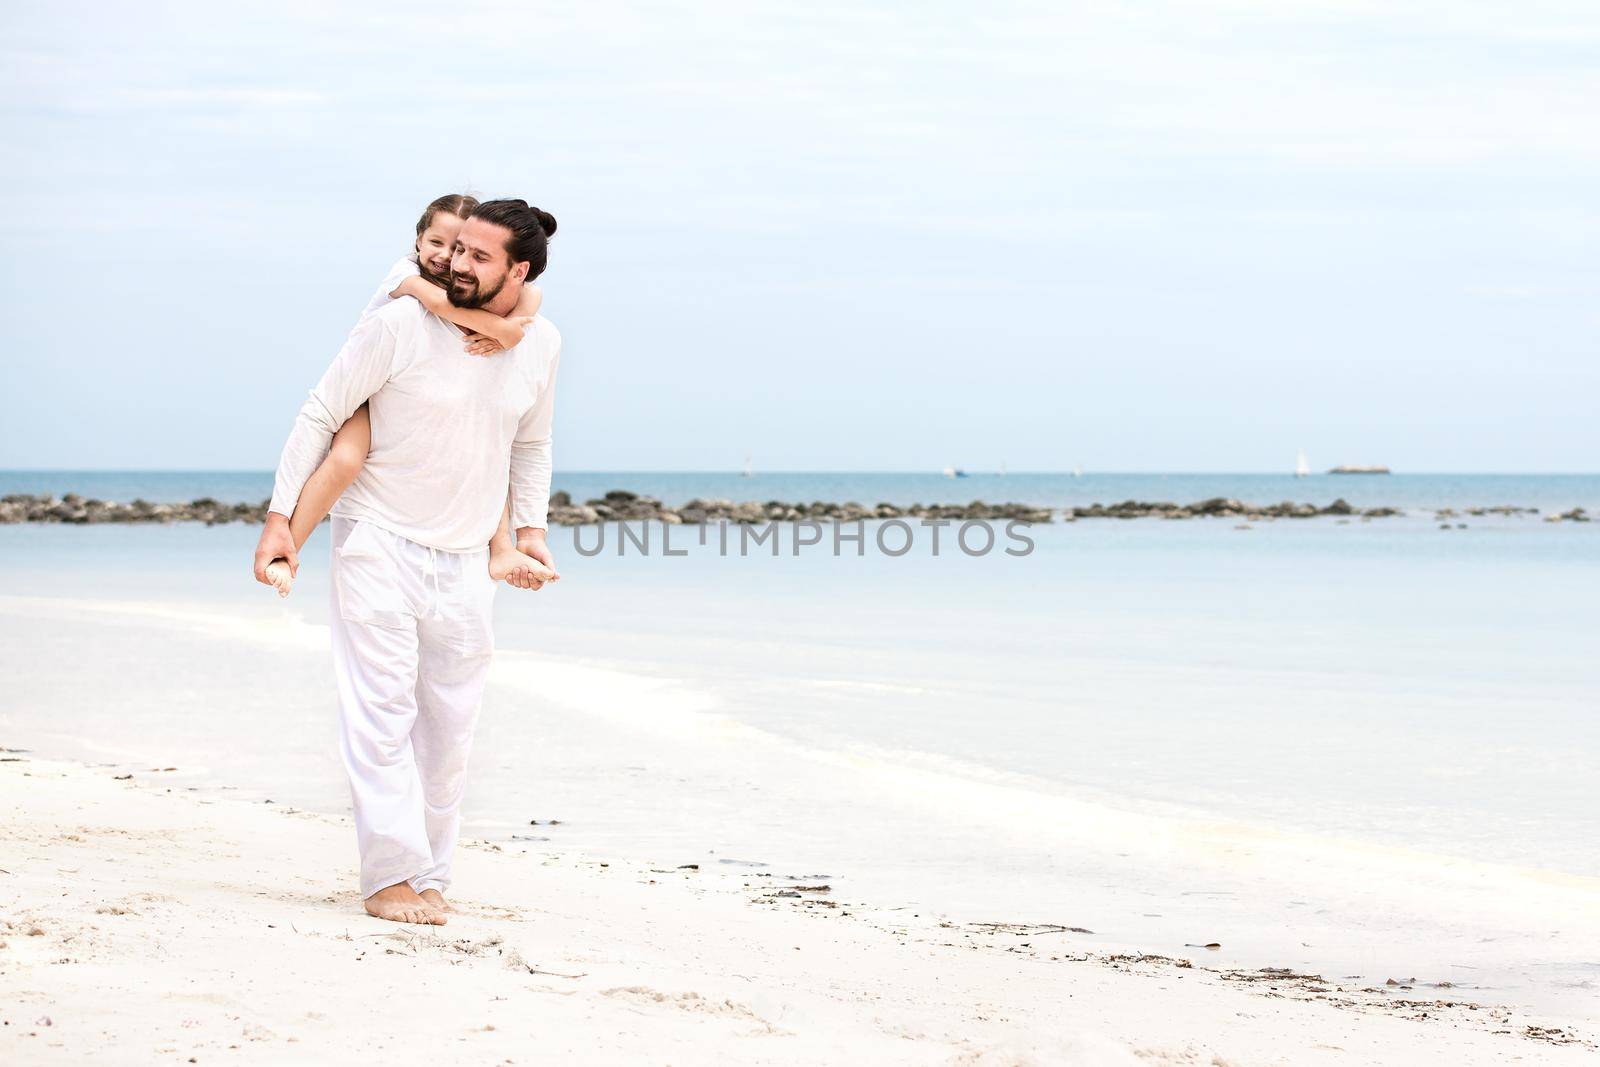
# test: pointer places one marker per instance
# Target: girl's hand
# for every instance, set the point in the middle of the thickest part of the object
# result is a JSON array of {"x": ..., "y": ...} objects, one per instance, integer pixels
[{"x": 479, "y": 344}]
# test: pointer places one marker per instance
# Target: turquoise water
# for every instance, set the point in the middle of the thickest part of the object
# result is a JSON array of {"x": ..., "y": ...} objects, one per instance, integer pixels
[{"x": 1547, "y": 492}]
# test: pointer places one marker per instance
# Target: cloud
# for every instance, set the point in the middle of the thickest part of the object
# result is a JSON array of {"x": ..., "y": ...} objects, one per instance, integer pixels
[
  {"x": 222, "y": 97},
  {"x": 1269, "y": 182}
]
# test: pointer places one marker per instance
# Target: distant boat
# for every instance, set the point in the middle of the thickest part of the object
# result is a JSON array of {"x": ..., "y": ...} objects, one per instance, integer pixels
[
  {"x": 954, "y": 472},
  {"x": 748, "y": 469},
  {"x": 1077, "y": 472},
  {"x": 1302, "y": 466},
  {"x": 1002, "y": 468},
  {"x": 1354, "y": 468}
]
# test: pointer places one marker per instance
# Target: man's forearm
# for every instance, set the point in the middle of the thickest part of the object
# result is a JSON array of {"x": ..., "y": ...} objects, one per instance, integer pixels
[
  {"x": 530, "y": 457},
  {"x": 531, "y": 468},
  {"x": 304, "y": 451}
]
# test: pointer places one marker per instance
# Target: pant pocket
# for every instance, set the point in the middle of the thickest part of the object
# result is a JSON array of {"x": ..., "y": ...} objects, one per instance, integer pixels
[{"x": 368, "y": 581}]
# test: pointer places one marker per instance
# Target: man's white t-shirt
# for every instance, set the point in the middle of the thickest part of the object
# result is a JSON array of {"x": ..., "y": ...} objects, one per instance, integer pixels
[{"x": 443, "y": 424}]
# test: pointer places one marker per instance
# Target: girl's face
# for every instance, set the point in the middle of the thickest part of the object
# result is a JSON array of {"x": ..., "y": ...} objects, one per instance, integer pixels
[{"x": 436, "y": 244}]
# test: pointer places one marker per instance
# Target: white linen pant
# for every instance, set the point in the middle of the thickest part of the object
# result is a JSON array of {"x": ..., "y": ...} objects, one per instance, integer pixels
[{"x": 412, "y": 640}]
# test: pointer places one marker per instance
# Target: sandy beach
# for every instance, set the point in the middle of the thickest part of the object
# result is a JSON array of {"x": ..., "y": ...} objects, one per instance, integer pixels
[{"x": 146, "y": 923}]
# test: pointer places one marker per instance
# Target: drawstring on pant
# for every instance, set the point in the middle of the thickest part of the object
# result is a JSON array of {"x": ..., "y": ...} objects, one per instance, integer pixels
[{"x": 433, "y": 571}]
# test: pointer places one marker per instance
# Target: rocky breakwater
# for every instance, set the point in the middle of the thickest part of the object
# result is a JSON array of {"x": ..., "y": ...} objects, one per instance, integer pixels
[
  {"x": 72, "y": 508},
  {"x": 621, "y": 505},
  {"x": 1222, "y": 508}
]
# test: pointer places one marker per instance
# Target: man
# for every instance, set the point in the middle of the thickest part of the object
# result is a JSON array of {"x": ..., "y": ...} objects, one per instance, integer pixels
[{"x": 412, "y": 596}]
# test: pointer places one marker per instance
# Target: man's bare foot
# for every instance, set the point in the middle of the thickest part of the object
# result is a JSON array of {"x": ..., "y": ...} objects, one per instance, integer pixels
[
  {"x": 279, "y": 575},
  {"x": 436, "y": 898},
  {"x": 506, "y": 565},
  {"x": 400, "y": 903}
]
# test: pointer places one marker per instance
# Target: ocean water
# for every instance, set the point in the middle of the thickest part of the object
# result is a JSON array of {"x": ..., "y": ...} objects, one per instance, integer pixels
[{"x": 1362, "y": 749}]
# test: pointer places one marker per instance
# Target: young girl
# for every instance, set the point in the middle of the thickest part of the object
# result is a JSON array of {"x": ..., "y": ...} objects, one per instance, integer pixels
[{"x": 424, "y": 275}]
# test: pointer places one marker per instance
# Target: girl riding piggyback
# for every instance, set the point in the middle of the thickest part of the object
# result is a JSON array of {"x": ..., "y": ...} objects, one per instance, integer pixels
[{"x": 425, "y": 275}]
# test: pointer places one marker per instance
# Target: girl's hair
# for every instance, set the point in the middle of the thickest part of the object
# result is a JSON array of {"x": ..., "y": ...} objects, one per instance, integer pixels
[{"x": 458, "y": 204}]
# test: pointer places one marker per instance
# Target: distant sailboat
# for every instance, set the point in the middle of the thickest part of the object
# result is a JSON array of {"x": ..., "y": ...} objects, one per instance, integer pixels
[
  {"x": 1002, "y": 468},
  {"x": 1302, "y": 467},
  {"x": 749, "y": 470},
  {"x": 1077, "y": 472}
]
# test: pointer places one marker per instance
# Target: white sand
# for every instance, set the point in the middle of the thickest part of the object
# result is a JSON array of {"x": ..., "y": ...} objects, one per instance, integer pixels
[{"x": 143, "y": 925}]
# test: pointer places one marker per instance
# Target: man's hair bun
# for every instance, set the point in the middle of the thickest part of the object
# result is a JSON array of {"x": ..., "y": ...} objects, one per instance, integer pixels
[{"x": 530, "y": 229}]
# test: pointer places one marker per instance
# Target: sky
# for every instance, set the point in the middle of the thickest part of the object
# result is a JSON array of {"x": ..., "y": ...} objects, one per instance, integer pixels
[{"x": 1167, "y": 236}]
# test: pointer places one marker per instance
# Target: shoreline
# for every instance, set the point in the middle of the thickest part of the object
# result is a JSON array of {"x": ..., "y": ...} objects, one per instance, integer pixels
[
  {"x": 621, "y": 505},
  {"x": 134, "y": 889}
]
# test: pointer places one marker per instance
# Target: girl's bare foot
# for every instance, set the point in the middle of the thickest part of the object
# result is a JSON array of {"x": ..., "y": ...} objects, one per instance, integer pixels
[
  {"x": 279, "y": 575},
  {"x": 436, "y": 898},
  {"x": 400, "y": 903},
  {"x": 503, "y": 563}
]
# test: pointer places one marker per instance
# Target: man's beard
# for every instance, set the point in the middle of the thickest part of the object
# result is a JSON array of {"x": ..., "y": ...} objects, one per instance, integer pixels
[{"x": 476, "y": 298}]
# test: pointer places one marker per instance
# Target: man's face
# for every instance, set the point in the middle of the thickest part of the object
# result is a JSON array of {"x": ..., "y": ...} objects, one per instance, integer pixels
[{"x": 480, "y": 267}]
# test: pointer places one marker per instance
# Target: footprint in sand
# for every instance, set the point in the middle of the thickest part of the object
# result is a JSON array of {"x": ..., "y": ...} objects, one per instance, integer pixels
[{"x": 690, "y": 1002}]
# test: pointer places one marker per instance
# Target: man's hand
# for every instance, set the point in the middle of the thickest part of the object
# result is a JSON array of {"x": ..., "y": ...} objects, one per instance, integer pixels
[
  {"x": 276, "y": 543},
  {"x": 531, "y": 542}
]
